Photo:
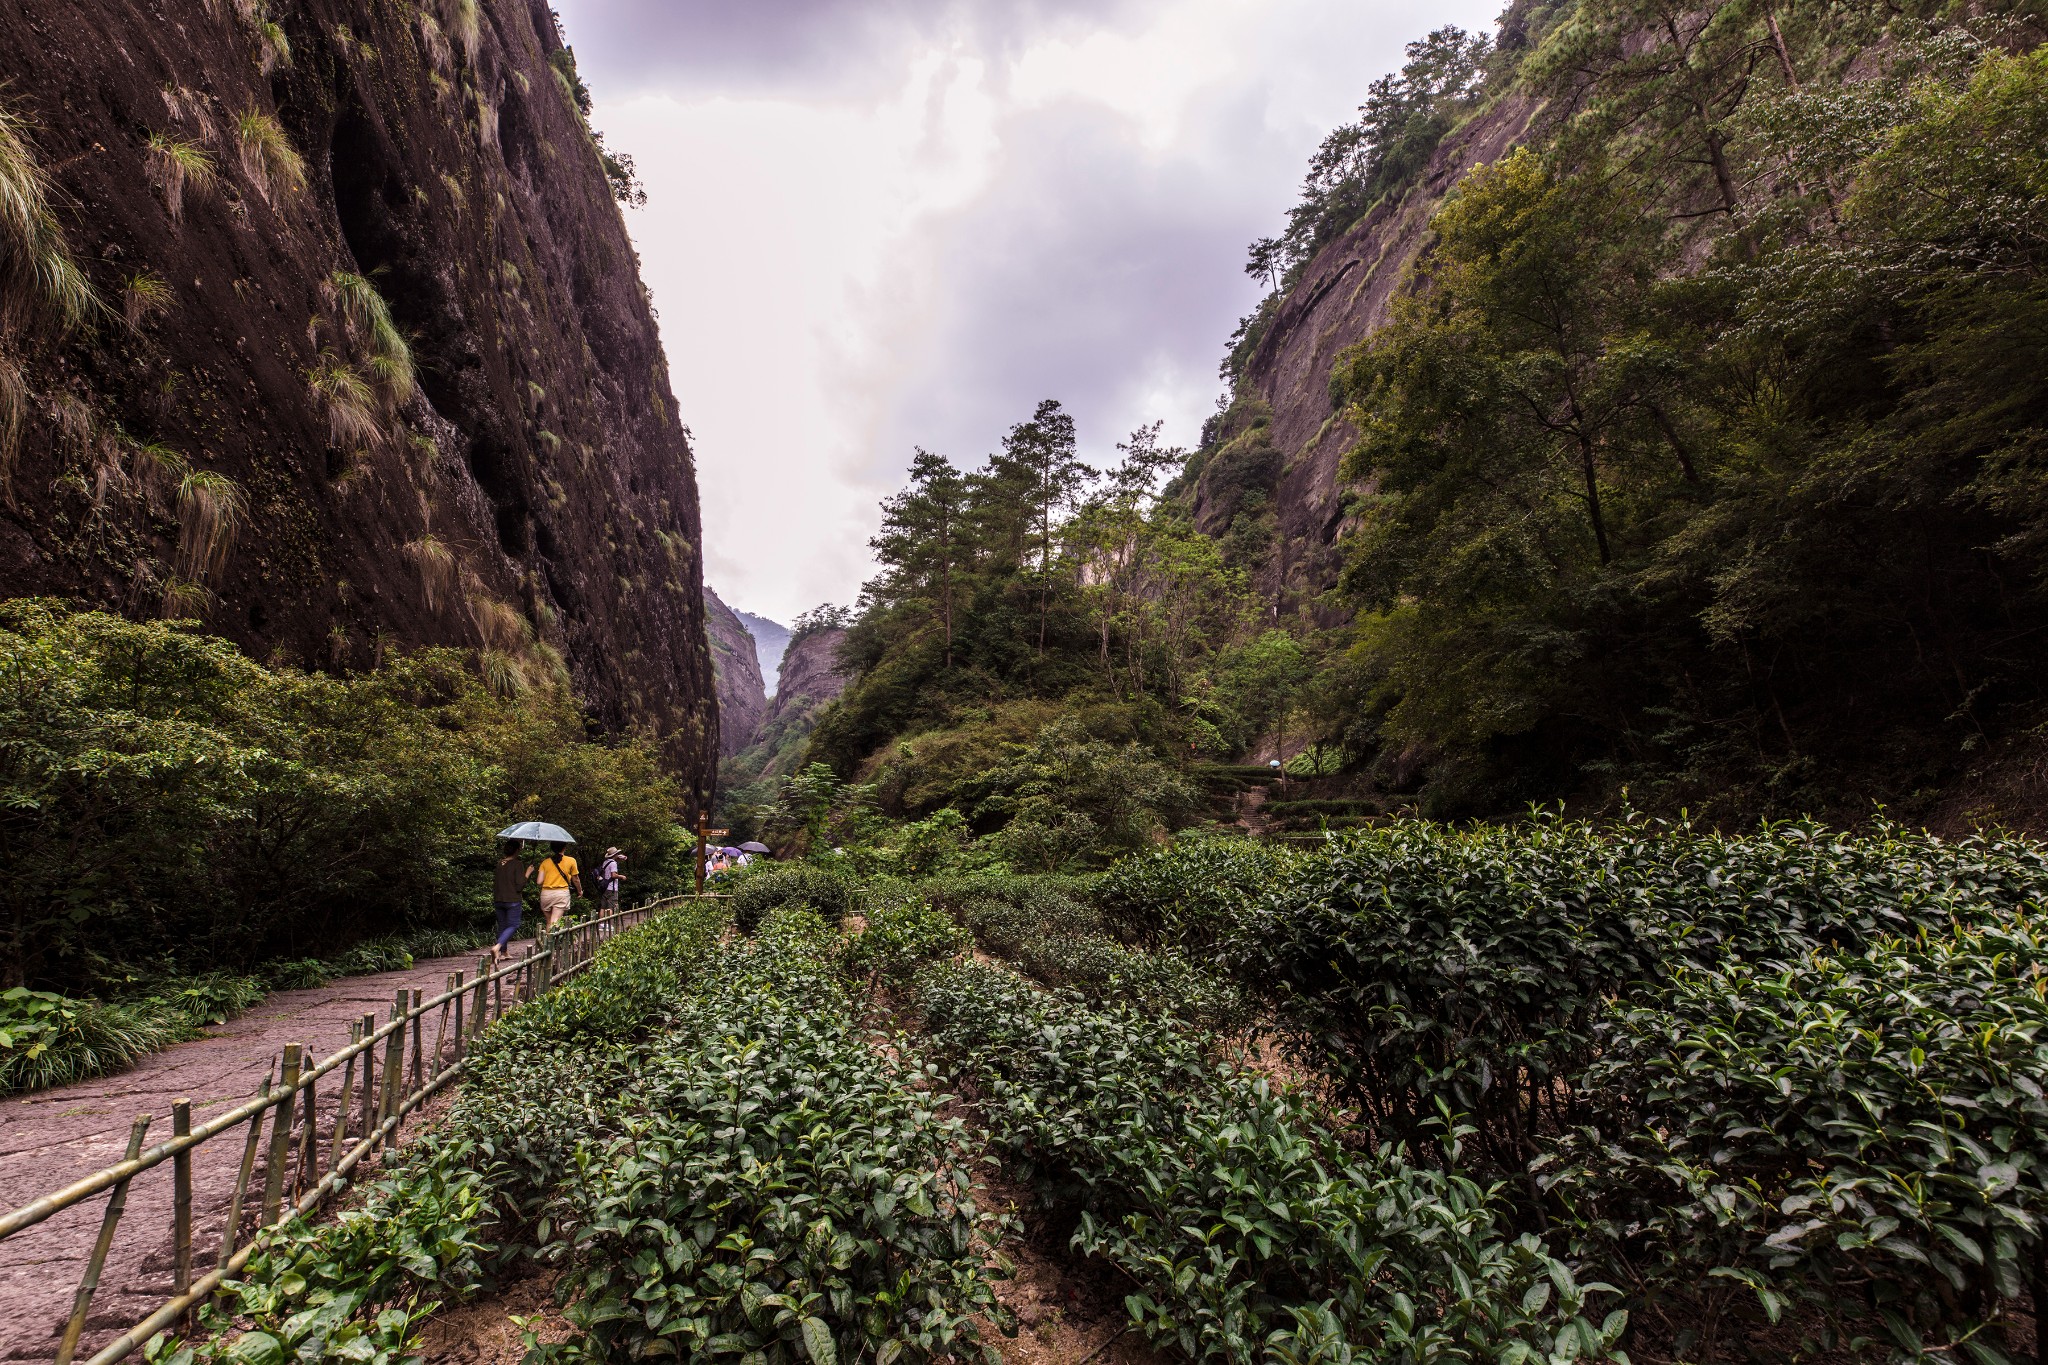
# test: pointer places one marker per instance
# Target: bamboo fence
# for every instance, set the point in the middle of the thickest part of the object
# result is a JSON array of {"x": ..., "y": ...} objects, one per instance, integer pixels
[{"x": 385, "y": 1073}]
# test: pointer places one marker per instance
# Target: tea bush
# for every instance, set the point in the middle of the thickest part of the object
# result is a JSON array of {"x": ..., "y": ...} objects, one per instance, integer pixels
[
  {"x": 463, "y": 1197},
  {"x": 903, "y": 937},
  {"x": 776, "y": 1188},
  {"x": 1250, "y": 1230},
  {"x": 1415, "y": 964},
  {"x": 760, "y": 893},
  {"x": 1865, "y": 1133},
  {"x": 1192, "y": 895}
]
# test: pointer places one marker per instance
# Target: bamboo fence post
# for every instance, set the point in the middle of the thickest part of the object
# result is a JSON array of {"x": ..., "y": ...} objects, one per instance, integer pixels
[
  {"x": 348, "y": 1080},
  {"x": 369, "y": 1074},
  {"x": 394, "y": 1058},
  {"x": 308, "y": 1139},
  {"x": 441, "y": 1026},
  {"x": 461, "y": 994},
  {"x": 280, "y": 1137},
  {"x": 498, "y": 990},
  {"x": 234, "y": 1228},
  {"x": 181, "y": 1202},
  {"x": 116, "y": 1202},
  {"x": 419, "y": 1027}
]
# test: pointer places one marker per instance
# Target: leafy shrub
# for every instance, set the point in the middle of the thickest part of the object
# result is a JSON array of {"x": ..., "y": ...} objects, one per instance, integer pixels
[
  {"x": 540, "y": 1079},
  {"x": 901, "y": 938},
  {"x": 370, "y": 957},
  {"x": 1191, "y": 895},
  {"x": 430, "y": 943},
  {"x": 827, "y": 893},
  {"x": 1247, "y": 1225},
  {"x": 239, "y": 813},
  {"x": 777, "y": 1189},
  {"x": 1416, "y": 964},
  {"x": 48, "y": 1040},
  {"x": 1861, "y": 1132},
  {"x": 355, "y": 1288},
  {"x": 634, "y": 976},
  {"x": 212, "y": 998},
  {"x": 296, "y": 974}
]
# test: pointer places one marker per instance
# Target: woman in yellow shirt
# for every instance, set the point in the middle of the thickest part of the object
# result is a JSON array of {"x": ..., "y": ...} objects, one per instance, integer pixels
[{"x": 556, "y": 873}]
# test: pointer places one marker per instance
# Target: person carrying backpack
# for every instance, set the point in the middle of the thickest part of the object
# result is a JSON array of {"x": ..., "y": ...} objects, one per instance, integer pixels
[
  {"x": 609, "y": 875},
  {"x": 556, "y": 873}
]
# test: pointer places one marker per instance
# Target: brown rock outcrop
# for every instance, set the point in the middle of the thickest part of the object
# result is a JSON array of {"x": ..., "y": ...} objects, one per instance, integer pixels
[
  {"x": 808, "y": 680},
  {"x": 228, "y": 175},
  {"x": 735, "y": 664},
  {"x": 1345, "y": 293}
]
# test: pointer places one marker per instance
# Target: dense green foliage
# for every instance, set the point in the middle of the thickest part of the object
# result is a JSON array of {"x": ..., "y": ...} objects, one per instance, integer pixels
[
  {"x": 1739, "y": 1075},
  {"x": 1849, "y": 1132},
  {"x": 818, "y": 889},
  {"x": 1245, "y": 1222},
  {"x": 465, "y": 1196},
  {"x": 776, "y": 1189},
  {"x": 1705, "y": 459},
  {"x": 1045, "y": 648},
  {"x": 169, "y": 801}
]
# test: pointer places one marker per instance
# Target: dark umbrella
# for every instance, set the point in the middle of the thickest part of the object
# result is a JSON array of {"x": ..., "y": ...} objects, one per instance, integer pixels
[{"x": 752, "y": 847}]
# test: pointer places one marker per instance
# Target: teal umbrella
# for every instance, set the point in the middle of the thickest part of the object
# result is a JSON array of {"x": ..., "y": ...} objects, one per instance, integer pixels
[{"x": 539, "y": 831}]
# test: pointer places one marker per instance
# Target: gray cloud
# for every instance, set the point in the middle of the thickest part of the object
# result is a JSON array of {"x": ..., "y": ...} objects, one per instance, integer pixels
[
  {"x": 808, "y": 45},
  {"x": 1087, "y": 262}
]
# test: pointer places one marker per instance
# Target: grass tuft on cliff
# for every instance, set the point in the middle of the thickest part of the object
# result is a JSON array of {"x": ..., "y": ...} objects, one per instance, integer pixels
[
  {"x": 268, "y": 157},
  {"x": 37, "y": 274},
  {"x": 179, "y": 168}
]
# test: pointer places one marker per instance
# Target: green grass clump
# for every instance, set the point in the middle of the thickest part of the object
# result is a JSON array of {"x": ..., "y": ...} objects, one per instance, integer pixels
[
  {"x": 47, "y": 1039},
  {"x": 270, "y": 161},
  {"x": 37, "y": 273}
]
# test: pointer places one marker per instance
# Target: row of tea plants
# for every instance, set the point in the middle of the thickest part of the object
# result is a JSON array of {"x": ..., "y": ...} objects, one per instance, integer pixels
[{"x": 1736, "y": 1074}]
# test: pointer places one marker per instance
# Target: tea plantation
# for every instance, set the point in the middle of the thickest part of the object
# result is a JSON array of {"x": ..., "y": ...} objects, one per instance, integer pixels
[{"x": 1515, "y": 1093}]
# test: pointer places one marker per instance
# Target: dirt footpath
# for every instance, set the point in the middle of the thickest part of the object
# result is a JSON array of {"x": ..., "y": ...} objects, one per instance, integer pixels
[{"x": 49, "y": 1139}]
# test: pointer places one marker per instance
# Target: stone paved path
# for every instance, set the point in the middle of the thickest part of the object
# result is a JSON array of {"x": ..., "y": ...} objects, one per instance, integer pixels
[{"x": 49, "y": 1139}]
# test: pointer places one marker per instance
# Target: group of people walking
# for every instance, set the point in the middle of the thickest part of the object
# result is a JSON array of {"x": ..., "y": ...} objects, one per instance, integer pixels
[{"x": 557, "y": 875}]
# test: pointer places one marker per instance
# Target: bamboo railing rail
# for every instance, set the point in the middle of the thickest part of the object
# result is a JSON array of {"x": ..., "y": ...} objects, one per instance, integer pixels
[{"x": 376, "y": 1093}]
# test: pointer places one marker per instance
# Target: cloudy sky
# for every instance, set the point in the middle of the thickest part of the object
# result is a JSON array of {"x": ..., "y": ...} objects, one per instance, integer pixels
[{"x": 877, "y": 224}]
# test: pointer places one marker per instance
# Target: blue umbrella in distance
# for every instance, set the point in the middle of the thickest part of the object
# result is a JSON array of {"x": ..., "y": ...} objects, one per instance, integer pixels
[{"x": 538, "y": 830}]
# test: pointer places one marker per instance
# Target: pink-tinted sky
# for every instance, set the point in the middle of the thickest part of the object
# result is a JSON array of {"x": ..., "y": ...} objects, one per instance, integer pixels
[{"x": 874, "y": 224}]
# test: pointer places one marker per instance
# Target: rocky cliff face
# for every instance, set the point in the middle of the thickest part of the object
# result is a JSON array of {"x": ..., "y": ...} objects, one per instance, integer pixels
[
  {"x": 370, "y": 363},
  {"x": 808, "y": 680},
  {"x": 742, "y": 701},
  {"x": 771, "y": 638},
  {"x": 1288, "y": 421}
]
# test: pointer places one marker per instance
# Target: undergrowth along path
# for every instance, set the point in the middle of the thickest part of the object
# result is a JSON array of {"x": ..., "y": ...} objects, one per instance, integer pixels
[{"x": 53, "y": 1137}]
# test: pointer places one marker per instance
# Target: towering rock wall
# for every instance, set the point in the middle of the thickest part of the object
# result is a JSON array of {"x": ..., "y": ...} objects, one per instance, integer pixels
[
  {"x": 742, "y": 700},
  {"x": 1345, "y": 293},
  {"x": 370, "y": 362}
]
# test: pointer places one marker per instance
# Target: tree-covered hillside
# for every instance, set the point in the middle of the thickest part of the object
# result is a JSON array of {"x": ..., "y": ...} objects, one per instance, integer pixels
[{"x": 1699, "y": 457}]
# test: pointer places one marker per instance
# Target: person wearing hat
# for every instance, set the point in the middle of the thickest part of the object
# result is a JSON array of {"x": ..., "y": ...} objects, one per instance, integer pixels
[
  {"x": 609, "y": 875},
  {"x": 556, "y": 873}
]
